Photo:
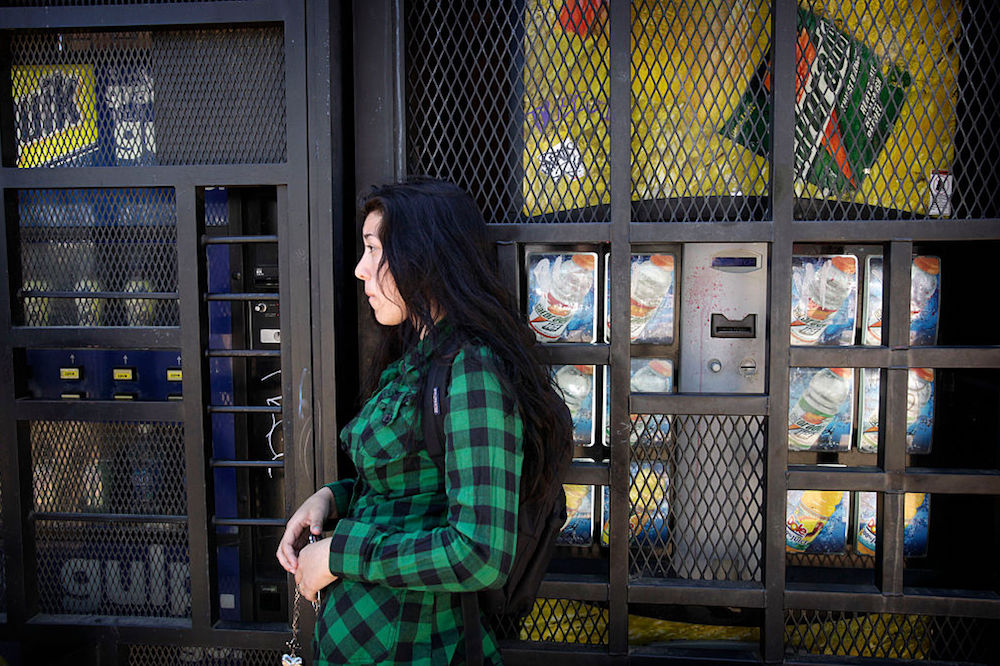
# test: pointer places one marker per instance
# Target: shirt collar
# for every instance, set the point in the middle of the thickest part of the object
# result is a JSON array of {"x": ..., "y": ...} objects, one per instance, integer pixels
[{"x": 421, "y": 353}]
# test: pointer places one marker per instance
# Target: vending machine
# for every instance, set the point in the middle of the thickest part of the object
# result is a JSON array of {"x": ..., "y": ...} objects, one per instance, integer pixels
[
  {"x": 723, "y": 318},
  {"x": 723, "y": 326}
]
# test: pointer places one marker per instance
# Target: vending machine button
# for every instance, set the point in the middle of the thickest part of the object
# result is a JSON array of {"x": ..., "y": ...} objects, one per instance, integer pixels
[
  {"x": 715, "y": 365},
  {"x": 748, "y": 367},
  {"x": 71, "y": 373},
  {"x": 124, "y": 396},
  {"x": 123, "y": 374},
  {"x": 72, "y": 395}
]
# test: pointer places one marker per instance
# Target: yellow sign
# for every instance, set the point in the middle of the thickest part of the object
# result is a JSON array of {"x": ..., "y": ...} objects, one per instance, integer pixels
[
  {"x": 122, "y": 374},
  {"x": 69, "y": 373},
  {"x": 54, "y": 112},
  {"x": 174, "y": 375}
]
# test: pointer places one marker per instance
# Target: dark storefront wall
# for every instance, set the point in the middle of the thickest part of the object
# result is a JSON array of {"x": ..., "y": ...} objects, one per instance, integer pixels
[{"x": 193, "y": 203}]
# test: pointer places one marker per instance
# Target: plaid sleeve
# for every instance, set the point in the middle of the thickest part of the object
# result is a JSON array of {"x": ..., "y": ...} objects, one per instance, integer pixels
[
  {"x": 342, "y": 491},
  {"x": 475, "y": 549}
]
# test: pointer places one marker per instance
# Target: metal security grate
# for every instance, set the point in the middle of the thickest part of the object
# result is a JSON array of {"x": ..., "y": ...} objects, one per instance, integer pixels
[
  {"x": 698, "y": 151},
  {"x": 888, "y": 636},
  {"x": 878, "y": 107},
  {"x": 462, "y": 77},
  {"x": 168, "y": 655},
  {"x": 123, "y": 568},
  {"x": 142, "y": 98},
  {"x": 559, "y": 621},
  {"x": 108, "y": 467},
  {"x": 696, "y": 497},
  {"x": 98, "y": 257}
]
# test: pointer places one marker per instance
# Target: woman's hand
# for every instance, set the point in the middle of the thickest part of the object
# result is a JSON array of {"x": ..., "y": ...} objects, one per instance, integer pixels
[
  {"x": 308, "y": 519},
  {"x": 313, "y": 572}
]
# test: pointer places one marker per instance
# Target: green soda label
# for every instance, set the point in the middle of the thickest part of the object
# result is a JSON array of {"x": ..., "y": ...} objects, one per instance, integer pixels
[{"x": 845, "y": 107}]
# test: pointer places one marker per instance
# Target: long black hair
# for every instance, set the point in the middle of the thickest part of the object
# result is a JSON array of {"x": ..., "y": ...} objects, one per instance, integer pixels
[{"x": 435, "y": 246}]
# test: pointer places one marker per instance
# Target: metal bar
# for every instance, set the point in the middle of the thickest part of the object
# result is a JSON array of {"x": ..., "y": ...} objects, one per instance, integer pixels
[
  {"x": 246, "y": 464},
  {"x": 15, "y": 469},
  {"x": 233, "y": 175},
  {"x": 620, "y": 185},
  {"x": 295, "y": 270},
  {"x": 892, "y": 423},
  {"x": 524, "y": 654},
  {"x": 167, "y": 14},
  {"x": 961, "y": 604},
  {"x": 851, "y": 231},
  {"x": 550, "y": 233},
  {"x": 782, "y": 185},
  {"x": 329, "y": 222},
  {"x": 952, "y": 481},
  {"x": 242, "y": 297},
  {"x": 192, "y": 280},
  {"x": 708, "y": 403},
  {"x": 716, "y": 593},
  {"x": 242, "y": 353},
  {"x": 249, "y": 522},
  {"x": 237, "y": 240},
  {"x": 150, "y": 295},
  {"x": 242, "y": 409},
  {"x": 73, "y": 337},
  {"x": 573, "y": 587},
  {"x": 143, "y": 518},
  {"x": 716, "y": 232},
  {"x": 840, "y": 357},
  {"x": 951, "y": 357},
  {"x": 161, "y": 631},
  {"x": 98, "y": 410},
  {"x": 882, "y": 357},
  {"x": 567, "y": 352},
  {"x": 836, "y": 478},
  {"x": 588, "y": 473},
  {"x": 376, "y": 115}
]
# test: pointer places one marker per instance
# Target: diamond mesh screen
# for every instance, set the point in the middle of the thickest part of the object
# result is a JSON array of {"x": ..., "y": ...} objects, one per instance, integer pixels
[
  {"x": 692, "y": 61},
  {"x": 142, "y": 98},
  {"x": 125, "y": 568},
  {"x": 696, "y": 497},
  {"x": 108, "y": 467},
  {"x": 98, "y": 257},
  {"x": 888, "y": 636},
  {"x": 558, "y": 621},
  {"x": 168, "y": 655},
  {"x": 462, "y": 82},
  {"x": 878, "y": 107}
]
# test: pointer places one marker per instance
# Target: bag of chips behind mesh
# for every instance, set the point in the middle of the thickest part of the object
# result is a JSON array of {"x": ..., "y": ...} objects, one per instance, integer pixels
[{"x": 691, "y": 62}]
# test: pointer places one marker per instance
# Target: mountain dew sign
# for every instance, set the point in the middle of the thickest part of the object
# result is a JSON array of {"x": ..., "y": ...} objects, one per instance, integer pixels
[{"x": 845, "y": 107}]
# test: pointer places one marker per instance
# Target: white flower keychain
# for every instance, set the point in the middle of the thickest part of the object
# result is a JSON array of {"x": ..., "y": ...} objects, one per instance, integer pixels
[{"x": 292, "y": 658}]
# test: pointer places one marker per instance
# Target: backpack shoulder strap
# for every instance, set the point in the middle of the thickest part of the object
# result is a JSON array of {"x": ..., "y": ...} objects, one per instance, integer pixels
[
  {"x": 435, "y": 395},
  {"x": 435, "y": 399}
]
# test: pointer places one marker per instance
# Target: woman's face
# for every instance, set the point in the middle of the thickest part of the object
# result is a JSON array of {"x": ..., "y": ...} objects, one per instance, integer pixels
[{"x": 380, "y": 287}]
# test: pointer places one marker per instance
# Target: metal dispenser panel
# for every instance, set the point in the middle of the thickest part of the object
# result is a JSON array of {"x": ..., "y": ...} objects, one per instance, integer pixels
[{"x": 723, "y": 323}]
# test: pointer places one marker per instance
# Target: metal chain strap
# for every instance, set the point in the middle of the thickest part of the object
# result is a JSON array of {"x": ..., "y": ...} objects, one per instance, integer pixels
[{"x": 292, "y": 658}]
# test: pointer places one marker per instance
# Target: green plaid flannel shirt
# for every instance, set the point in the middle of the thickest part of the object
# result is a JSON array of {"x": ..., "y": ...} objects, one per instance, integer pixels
[{"x": 408, "y": 538}]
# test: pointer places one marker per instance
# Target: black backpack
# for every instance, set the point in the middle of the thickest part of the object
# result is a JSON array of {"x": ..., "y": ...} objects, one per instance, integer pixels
[{"x": 539, "y": 520}]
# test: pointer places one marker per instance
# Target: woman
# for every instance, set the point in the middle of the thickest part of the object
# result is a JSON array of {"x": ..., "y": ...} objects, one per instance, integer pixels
[{"x": 406, "y": 538}]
